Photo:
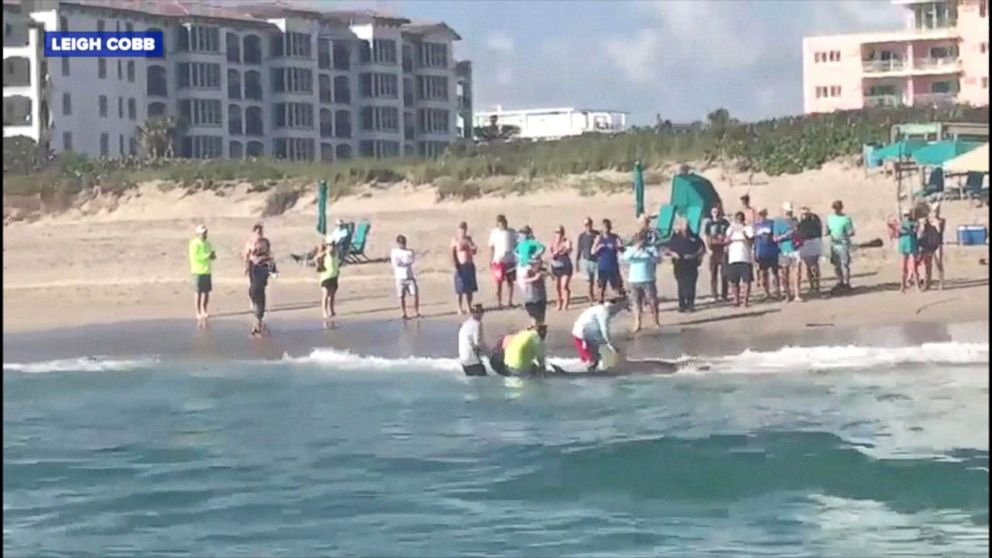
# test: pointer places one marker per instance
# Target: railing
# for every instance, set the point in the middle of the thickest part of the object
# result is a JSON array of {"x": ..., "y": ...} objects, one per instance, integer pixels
[
  {"x": 935, "y": 99},
  {"x": 947, "y": 63},
  {"x": 877, "y": 66},
  {"x": 875, "y": 101}
]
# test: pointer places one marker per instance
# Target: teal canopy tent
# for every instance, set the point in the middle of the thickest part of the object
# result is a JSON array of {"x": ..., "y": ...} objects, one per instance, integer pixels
[
  {"x": 938, "y": 153},
  {"x": 322, "y": 207},
  {"x": 692, "y": 198},
  {"x": 904, "y": 148},
  {"x": 638, "y": 189}
]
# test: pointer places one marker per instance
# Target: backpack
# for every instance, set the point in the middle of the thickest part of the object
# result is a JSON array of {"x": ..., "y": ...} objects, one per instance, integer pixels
[{"x": 930, "y": 239}]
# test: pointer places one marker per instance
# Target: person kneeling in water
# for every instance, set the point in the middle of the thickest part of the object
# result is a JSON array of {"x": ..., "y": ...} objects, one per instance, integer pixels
[
  {"x": 524, "y": 355},
  {"x": 592, "y": 329},
  {"x": 471, "y": 344}
]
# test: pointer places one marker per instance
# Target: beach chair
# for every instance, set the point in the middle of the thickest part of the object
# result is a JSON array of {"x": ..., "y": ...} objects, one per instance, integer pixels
[
  {"x": 934, "y": 186},
  {"x": 974, "y": 187},
  {"x": 356, "y": 252}
]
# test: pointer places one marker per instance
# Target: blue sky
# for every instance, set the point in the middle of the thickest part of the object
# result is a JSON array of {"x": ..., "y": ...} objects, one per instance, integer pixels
[{"x": 677, "y": 58}]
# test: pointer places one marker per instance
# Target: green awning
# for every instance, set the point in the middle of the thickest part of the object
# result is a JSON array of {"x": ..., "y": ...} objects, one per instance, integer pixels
[
  {"x": 904, "y": 148},
  {"x": 940, "y": 152}
]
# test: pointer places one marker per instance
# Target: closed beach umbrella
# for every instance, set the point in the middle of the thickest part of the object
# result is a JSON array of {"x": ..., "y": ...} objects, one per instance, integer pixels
[
  {"x": 940, "y": 152},
  {"x": 638, "y": 189},
  {"x": 322, "y": 208},
  {"x": 976, "y": 160}
]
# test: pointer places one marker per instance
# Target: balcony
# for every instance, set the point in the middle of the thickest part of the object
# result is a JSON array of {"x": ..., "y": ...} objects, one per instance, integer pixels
[
  {"x": 930, "y": 99},
  {"x": 878, "y": 101},
  {"x": 946, "y": 64},
  {"x": 883, "y": 66}
]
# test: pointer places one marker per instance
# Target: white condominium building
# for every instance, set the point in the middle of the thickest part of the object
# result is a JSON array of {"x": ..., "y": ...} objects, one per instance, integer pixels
[
  {"x": 243, "y": 81},
  {"x": 554, "y": 123}
]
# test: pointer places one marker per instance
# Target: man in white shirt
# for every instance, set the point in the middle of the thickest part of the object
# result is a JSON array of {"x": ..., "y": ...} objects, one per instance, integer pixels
[
  {"x": 592, "y": 329},
  {"x": 471, "y": 344},
  {"x": 406, "y": 284},
  {"x": 740, "y": 238},
  {"x": 502, "y": 263}
]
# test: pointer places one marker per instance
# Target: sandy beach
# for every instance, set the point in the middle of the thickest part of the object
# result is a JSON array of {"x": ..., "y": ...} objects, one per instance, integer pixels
[{"x": 100, "y": 266}]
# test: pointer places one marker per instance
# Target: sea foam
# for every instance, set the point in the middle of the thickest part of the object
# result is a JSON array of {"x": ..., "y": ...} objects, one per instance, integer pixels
[{"x": 81, "y": 364}]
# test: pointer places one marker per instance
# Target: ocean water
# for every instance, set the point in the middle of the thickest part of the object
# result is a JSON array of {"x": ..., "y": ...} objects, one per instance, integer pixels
[{"x": 822, "y": 451}]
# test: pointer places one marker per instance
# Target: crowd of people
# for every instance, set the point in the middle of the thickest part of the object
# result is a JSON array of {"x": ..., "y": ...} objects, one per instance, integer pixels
[{"x": 781, "y": 253}]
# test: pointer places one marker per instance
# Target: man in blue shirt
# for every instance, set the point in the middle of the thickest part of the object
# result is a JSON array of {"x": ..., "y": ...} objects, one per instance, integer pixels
[
  {"x": 607, "y": 248},
  {"x": 766, "y": 253},
  {"x": 642, "y": 258},
  {"x": 786, "y": 235}
]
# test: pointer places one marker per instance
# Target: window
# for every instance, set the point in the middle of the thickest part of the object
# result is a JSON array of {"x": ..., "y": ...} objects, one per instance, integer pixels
[
  {"x": 132, "y": 146},
  {"x": 379, "y": 148},
  {"x": 253, "y": 85},
  {"x": 67, "y": 141},
  {"x": 323, "y": 54},
  {"x": 130, "y": 71},
  {"x": 234, "y": 126},
  {"x": 433, "y": 121},
  {"x": 101, "y": 68},
  {"x": 202, "y": 147},
  {"x": 63, "y": 23},
  {"x": 835, "y": 91},
  {"x": 291, "y": 45},
  {"x": 201, "y": 112},
  {"x": 120, "y": 108},
  {"x": 432, "y": 55},
  {"x": 292, "y": 80},
  {"x": 104, "y": 144},
  {"x": 65, "y": 66},
  {"x": 199, "y": 75},
  {"x": 835, "y": 56},
  {"x": 103, "y": 105},
  {"x": 342, "y": 55},
  {"x": 157, "y": 85},
  {"x": 383, "y": 51},
  {"x": 120, "y": 144},
  {"x": 233, "y": 48},
  {"x": 100, "y": 26},
  {"x": 380, "y": 119},
  {"x": 120, "y": 71},
  {"x": 294, "y": 149},
  {"x": 942, "y": 87},
  {"x": 132, "y": 109},
  {"x": 202, "y": 39},
  {"x": 432, "y": 149},
  {"x": 817, "y": 57},
  {"x": 432, "y": 88},
  {"x": 379, "y": 85},
  {"x": 66, "y": 104},
  {"x": 253, "y": 122},
  {"x": 342, "y": 90},
  {"x": 293, "y": 115},
  {"x": 129, "y": 27},
  {"x": 324, "y": 88}
]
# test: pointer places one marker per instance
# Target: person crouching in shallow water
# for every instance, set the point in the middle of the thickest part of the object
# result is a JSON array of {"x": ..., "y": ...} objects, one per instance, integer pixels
[
  {"x": 471, "y": 344},
  {"x": 328, "y": 269},
  {"x": 463, "y": 252},
  {"x": 686, "y": 251},
  {"x": 535, "y": 291},
  {"x": 406, "y": 283},
  {"x": 643, "y": 261},
  {"x": 201, "y": 255},
  {"x": 524, "y": 355}
]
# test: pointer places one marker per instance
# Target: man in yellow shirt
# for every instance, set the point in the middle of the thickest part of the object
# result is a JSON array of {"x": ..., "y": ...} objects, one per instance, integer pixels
[
  {"x": 201, "y": 254},
  {"x": 524, "y": 355}
]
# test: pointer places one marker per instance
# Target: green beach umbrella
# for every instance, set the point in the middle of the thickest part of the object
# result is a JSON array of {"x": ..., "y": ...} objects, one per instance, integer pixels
[
  {"x": 939, "y": 152},
  {"x": 638, "y": 189},
  {"x": 898, "y": 149},
  {"x": 322, "y": 207}
]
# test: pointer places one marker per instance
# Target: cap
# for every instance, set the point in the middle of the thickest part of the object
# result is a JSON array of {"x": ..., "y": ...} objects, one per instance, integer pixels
[
  {"x": 329, "y": 239},
  {"x": 526, "y": 229},
  {"x": 200, "y": 229},
  {"x": 787, "y": 206}
]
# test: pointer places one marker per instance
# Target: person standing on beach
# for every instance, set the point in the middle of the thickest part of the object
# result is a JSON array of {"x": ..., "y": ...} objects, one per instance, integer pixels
[
  {"x": 787, "y": 236},
  {"x": 811, "y": 232},
  {"x": 502, "y": 262},
  {"x": 463, "y": 252},
  {"x": 561, "y": 268},
  {"x": 909, "y": 250},
  {"x": 841, "y": 229},
  {"x": 643, "y": 261},
  {"x": 328, "y": 269},
  {"x": 527, "y": 249},
  {"x": 607, "y": 249},
  {"x": 715, "y": 232},
  {"x": 766, "y": 254},
  {"x": 750, "y": 215},
  {"x": 587, "y": 261},
  {"x": 471, "y": 344},
  {"x": 201, "y": 255},
  {"x": 932, "y": 246},
  {"x": 740, "y": 237},
  {"x": 406, "y": 283},
  {"x": 259, "y": 266},
  {"x": 651, "y": 235},
  {"x": 686, "y": 250},
  {"x": 535, "y": 290}
]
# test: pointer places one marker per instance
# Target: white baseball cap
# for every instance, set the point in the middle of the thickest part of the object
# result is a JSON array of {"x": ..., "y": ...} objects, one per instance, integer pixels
[
  {"x": 787, "y": 207},
  {"x": 200, "y": 229}
]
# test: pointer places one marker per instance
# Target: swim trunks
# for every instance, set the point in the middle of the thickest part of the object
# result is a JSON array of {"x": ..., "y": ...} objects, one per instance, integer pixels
[
  {"x": 406, "y": 287},
  {"x": 203, "y": 283},
  {"x": 465, "y": 282}
]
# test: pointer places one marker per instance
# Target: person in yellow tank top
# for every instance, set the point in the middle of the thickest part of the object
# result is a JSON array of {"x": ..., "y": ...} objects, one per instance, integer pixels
[
  {"x": 328, "y": 268},
  {"x": 201, "y": 255},
  {"x": 524, "y": 355}
]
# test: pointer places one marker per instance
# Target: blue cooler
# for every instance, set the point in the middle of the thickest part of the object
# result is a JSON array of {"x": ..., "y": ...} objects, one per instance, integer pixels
[{"x": 972, "y": 235}]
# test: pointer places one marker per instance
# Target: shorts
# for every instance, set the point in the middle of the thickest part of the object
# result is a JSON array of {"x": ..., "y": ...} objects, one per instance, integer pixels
[
  {"x": 644, "y": 290},
  {"x": 611, "y": 278},
  {"x": 203, "y": 283},
  {"x": 503, "y": 271},
  {"x": 587, "y": 351},
  {"x": 588, "y": 268},
  {"x": 765, "y": 264},
  {"x": 811, "y": 250},
  {"x": 536, "y": 310},
  {"x": 787, "y": 260},
  {"x": 739, "y": 272},
  {"x": 329, "y": 284},
  {"x": 477, "y": 369},
  {"x": 465, "y": 282},
  {"x": 406, "y": 287},
  {"x": 840, "y": 254},
  {"x": 561, "y": 268},
  {"x": 496, "y": 362}
]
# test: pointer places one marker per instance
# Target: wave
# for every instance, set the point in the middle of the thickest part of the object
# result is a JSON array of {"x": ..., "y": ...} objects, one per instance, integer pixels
[
  {"x": 784, "y": 359},
  {"x": 81, "y": 364}
]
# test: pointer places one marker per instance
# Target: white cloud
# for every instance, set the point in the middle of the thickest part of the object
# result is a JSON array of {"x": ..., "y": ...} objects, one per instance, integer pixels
[
  {"x": 635, "y": 56},
  {"x": 500, "y": 42}
]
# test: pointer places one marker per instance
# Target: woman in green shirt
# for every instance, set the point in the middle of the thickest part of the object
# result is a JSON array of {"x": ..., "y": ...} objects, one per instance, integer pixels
[
  {"x": 328, "y": 268},
  {"x": 909, "y": 250}
]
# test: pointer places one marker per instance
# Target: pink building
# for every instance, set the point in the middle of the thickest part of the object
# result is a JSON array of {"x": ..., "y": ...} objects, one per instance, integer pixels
[{"x": 942, "y": 56}]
